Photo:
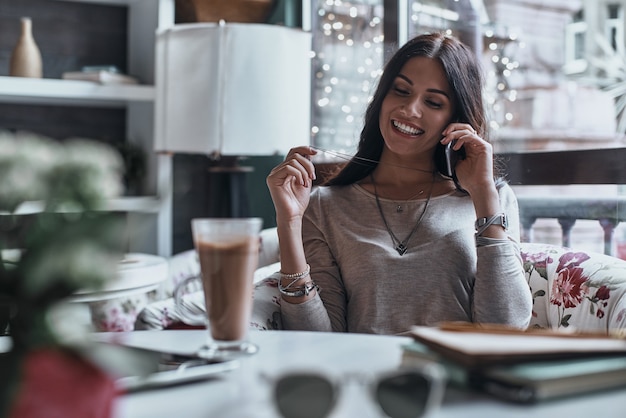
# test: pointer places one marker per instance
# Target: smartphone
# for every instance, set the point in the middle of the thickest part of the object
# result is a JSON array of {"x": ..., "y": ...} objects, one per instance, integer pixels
[
  {"x": 450, "y": 159},
  {"x": 137, "y": 369}
]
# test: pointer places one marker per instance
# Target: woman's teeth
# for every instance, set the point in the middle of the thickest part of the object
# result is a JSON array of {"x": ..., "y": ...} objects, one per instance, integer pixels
[{"x": 406, "y": 128}]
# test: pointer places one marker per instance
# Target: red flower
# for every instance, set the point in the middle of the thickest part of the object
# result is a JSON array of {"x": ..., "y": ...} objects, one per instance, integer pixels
[
  {"x": 539, "y": 260},
  {"x": 621, "y": 314},
  {"x": 603, "y": 293},
  {"x": 569, "y": 288},
  {"x": 570, "y": 260}
]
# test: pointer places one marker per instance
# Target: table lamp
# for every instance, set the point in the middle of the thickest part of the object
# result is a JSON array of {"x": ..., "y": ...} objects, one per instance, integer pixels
[{"x": 229, "y": 90}]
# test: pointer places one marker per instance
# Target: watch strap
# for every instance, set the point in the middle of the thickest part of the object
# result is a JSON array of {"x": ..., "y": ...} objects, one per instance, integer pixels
[{"x": 498, "y": 219}]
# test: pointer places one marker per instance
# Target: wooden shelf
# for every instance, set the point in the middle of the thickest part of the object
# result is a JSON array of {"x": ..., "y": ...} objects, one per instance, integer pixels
[
  {"x": 109, "y": 2},
  {"x": 48, "y": 91},
  {"x": 137, "y": 204}
]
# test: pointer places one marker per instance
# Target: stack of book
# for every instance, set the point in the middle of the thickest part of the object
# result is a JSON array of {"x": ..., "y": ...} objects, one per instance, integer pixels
[
  {"x": 521, "y": 366},
  {"x": 101, "y": 75}
]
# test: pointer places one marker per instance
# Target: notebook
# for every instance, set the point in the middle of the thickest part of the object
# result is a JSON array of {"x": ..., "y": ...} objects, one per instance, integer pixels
[
  {"x": 533, "y": 382},
  {"x": 473, "y": 346},
  {"x": 520, "y": 366}
]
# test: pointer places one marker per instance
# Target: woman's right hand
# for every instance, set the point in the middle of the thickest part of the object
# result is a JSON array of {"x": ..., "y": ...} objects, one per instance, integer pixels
[{"x": 290, "y": 183}]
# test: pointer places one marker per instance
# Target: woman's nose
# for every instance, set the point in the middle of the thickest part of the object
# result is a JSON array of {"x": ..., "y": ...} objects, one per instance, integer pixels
[{"x": 414, "y": 108}]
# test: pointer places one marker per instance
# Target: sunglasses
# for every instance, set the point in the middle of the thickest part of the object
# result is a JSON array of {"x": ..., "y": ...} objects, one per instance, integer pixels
[{"x": 404, "y": 393}]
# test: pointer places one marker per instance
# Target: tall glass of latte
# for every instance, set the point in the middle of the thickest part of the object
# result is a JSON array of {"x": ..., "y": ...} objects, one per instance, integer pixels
[{"x": 228, "y": 250}]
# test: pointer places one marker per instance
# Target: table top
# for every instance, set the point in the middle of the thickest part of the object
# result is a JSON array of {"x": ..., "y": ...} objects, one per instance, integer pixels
[
  {"x": 137, "y": 273},
  {"x": 245, "y": 392}
]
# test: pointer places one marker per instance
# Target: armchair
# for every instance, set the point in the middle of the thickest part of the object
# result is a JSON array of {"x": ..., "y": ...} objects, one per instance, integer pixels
[{"x": 572, "y": 290}]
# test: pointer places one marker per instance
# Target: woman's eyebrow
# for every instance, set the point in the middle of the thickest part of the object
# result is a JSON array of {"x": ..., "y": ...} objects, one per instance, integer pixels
[{"x": 431, "y": 90}]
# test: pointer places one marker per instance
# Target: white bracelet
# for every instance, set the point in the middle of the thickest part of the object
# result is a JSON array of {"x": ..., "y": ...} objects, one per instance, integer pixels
[{"x": 296, "y": 276}]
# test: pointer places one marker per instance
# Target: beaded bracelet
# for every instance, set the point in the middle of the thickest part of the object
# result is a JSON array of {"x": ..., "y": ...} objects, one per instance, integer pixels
[{"x": 296, "y": 276}]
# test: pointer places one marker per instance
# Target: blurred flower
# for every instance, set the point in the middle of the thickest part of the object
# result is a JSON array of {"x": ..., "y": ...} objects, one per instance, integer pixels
[
  {"x": 76, "y": 174},
  {"x": 25, "y": 162}
]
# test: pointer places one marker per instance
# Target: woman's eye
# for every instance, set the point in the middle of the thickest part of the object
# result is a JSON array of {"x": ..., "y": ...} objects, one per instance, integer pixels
[
  {"x": 434, "y": 104},
  {"x": 401, "y": 90}
]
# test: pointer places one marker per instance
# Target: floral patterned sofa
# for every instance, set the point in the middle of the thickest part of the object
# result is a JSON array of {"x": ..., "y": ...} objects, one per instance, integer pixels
[
  {"x": 155, "y": 310},
  {"x": 571, "y": 290},
  {"x": 575, "y": 290}
]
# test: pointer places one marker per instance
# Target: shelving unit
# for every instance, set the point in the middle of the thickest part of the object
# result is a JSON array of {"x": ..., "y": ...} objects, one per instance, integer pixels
[
  {"x": 47, "y": 91},
  {"x": 150, "y": 214}
]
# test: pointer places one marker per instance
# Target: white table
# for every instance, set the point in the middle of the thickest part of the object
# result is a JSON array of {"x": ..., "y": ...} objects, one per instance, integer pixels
[
  {"x": 137, "y": 273},
  {"x": 243, "y": 393}
]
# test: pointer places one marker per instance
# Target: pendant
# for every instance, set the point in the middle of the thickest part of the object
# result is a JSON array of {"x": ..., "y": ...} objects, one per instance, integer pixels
[{"x": 401, "y": 249}]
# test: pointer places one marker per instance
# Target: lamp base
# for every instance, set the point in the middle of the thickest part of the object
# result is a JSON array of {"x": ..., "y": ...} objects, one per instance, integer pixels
[
  {"x": 243, "y": 11},
  {"x": 229, "y": 195}
]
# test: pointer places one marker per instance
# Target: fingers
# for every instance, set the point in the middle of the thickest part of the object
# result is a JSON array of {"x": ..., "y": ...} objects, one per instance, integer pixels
[
  {"x": 459, "y": 134},
  {"x": 297, "y": 166},
  {"x": 305, "y": 151},
  {"x": 457, "y": 126}
]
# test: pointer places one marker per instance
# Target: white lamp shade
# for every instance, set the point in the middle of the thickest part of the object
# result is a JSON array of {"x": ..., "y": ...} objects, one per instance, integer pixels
[{"x": 233, "y": 89}]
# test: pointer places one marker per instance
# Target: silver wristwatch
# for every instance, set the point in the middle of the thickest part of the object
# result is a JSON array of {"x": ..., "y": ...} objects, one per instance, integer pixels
[{"x": 501, "y": 219}]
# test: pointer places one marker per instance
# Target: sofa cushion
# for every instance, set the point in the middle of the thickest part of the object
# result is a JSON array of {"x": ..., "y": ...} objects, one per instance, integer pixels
[
  {"x": 265, "y": 311},
  {"x": 266, "y": 305},
  {"x": 575, "y": 290}
]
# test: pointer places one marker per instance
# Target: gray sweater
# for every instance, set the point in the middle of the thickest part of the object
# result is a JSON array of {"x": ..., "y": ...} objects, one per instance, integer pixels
[{"x": 367, "y": 287}]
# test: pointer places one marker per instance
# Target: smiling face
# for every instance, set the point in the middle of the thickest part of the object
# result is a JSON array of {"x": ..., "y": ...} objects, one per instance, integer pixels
[{"x": 416, "y": 109}]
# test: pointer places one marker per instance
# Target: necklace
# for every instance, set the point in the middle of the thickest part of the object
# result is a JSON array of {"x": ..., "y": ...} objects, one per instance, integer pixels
[
  {"x": 366, "y": 162},
  {"x": 399, "y": 208},
  {"x": 401, "y": 246}
]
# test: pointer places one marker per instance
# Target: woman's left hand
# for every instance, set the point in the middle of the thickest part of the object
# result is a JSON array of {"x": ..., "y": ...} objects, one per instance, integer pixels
[{"x": 476, "y": 169}]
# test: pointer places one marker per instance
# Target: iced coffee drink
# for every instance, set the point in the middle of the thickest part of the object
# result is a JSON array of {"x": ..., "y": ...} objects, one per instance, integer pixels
[
  {"x": 228, "y": 250},
  {"x": 227, "y": 270}
]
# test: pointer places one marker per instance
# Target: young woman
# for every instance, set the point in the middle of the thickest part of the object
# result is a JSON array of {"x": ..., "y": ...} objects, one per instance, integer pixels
[{"x": 391, "y": 241}]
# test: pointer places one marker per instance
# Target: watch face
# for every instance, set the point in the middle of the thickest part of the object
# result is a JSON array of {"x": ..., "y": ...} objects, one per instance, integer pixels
[{"x": 502, "y": 220}]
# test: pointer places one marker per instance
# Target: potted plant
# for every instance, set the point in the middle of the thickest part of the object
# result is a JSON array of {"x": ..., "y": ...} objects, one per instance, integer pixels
[{"x": 66, "y": 244}]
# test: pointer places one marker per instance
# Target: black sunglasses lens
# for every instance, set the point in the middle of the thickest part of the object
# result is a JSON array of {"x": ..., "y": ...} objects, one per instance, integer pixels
[
  {"x": 304, "y": 396},
  {"x": 404, "y": 395}
]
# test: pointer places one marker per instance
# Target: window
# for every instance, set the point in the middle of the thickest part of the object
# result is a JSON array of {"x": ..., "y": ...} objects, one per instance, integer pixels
[
  {"x": 614, "y": 26},
  {"x": 575, "y": 36},
  {"x": 539, "y": 56}
]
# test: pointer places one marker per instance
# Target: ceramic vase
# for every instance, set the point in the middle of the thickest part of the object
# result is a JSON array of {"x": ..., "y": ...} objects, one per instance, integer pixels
[
  {"x": 55, "y": 382},
  {"x": 242, "y": 11},
  {"x": 26, "y": 57}
]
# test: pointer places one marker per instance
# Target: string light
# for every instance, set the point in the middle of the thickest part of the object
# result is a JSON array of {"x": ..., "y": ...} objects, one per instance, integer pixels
[
  {"x": 348, "y": 43},
  {"x": 348, "y": 62},
  {"x": 501, "y": 44}
]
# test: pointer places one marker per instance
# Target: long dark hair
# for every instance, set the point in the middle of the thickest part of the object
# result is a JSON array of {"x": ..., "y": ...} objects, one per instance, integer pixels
[{"x": 464, "y": 75}]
